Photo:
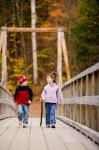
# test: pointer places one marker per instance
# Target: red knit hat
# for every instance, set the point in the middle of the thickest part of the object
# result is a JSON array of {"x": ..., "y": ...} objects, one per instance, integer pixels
[{"x": 22, "y": 78}]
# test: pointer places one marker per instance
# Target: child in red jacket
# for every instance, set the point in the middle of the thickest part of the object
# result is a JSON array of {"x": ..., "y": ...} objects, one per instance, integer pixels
[{"x": 23, "y": 97}]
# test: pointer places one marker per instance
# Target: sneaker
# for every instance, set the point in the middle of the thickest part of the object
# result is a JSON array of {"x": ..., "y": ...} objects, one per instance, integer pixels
[
  {"x": 48, "y": 126},
  {"x": 53, "y": 126},
  {"x": 25, "y": 125},
  {"x": 20, "y": 123}
]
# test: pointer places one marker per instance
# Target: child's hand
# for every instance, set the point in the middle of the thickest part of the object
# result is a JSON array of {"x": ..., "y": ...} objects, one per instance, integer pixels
[
  {"x": 29, "y": 102},
  {"x": 41, "y": 99}
]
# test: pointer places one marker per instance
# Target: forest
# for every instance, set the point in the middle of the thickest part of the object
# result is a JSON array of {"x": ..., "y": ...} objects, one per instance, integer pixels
[{"x": 81, "y": 17}]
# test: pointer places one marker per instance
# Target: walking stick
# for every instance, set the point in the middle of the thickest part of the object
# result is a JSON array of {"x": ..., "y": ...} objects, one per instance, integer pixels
[{"x": 41, "y": 113}]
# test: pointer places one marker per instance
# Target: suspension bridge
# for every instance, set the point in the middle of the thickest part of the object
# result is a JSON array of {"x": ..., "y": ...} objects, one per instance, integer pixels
[{"x": 77, "y": 120}]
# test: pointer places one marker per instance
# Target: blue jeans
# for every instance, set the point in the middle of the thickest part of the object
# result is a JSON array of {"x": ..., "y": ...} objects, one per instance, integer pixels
[
  {"x": 50, "y": 113},
  {"x": 23, "y": 111}
]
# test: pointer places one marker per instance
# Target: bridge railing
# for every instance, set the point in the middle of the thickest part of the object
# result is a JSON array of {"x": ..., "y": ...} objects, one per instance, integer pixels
[
  {"x": 81, "y": 108},
  {"x": 7, "y": 105}
]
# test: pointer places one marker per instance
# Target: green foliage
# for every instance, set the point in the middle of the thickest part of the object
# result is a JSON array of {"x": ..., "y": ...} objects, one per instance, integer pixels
[
  {"x": 16, "y": 67},
  {"x": 83, "y": 53},
  {"x": 86, "y": 34}
]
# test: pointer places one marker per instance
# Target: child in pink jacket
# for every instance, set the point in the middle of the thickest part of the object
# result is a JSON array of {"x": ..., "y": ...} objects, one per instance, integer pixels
[{"x": 51, "y": 95}]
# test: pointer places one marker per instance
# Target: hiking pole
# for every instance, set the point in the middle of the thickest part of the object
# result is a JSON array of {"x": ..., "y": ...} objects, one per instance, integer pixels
[{"x": 41, "y": 112}]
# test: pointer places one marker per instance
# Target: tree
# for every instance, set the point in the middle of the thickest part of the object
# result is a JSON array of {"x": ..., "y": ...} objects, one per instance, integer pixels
[
  {"x": 86, "y": 34},
  {"x": 34, "y": 48}
]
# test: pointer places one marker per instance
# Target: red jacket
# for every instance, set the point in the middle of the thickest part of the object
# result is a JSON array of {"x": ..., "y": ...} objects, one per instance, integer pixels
[{"x": 23, "y": 94}]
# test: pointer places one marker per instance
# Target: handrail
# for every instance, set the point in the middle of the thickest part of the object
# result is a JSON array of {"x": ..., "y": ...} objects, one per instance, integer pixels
[
  {"x": 84, "y": 100},
  {"x": 7, "y": 104},
  {"x": 82, "y": 74},
  {"x": 81, "y": 96},
  {"x": 2, "y": 86}
]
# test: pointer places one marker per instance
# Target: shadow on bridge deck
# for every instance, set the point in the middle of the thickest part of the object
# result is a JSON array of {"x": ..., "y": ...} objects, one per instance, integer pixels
[{"x": 63, "y": 137}]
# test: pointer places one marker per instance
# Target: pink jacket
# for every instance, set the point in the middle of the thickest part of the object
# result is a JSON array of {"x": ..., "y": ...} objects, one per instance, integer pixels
[{"x": 52, "y": 94}]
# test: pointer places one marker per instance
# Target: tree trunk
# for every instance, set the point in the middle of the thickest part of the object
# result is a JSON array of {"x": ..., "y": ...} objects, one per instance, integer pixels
[
  {"x": 59, "y": 59},
  {"x": 4, "y": 58},
  {"x": 34, "y": 47},
  {"x": 20, "y": 22},
  {"x": 65, "y": 55}
]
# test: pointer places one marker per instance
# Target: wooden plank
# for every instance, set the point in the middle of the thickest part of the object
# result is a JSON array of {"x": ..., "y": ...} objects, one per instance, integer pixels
[
  {"x": 66, "y": 135},
  {"x": 69, "y": 140},
  {"x": 80, "y": 138},
  {"x": 31, "y": 136},
  {"x": 94, "y": 120},
  {"x": 75, "y": 146},
  {"x": 85, "y": 130},
  {"x": 97, "y": 118},
  {"x": 59, "y": 57},
  {"x": 5, "y": 126},
  {"x": 84, "y": 100},
  {"x": 93, "y": 84},
  {"x": 90, "y": 145},
  {"x": 27, "y": 29},
  {"x": 54, "y": 142},
  {"x": 65, "y": 55},
  {"x": 21, "y": 140},
  {"x": 7, "y": 138},
  {"x": 3, "y": 116},
  {"x": 34, "y": 137},
  {"x": 90, "y": 70},
  {"x": 37, "y": 140},
  {"x": 5, "y": 89},
  {"x": 35, "y": 122},
  {"x": 2, "y": 121}
]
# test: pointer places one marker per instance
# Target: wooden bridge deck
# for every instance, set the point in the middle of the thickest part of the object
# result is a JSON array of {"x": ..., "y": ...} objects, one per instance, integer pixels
[{"x": 63, "y": 137}]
